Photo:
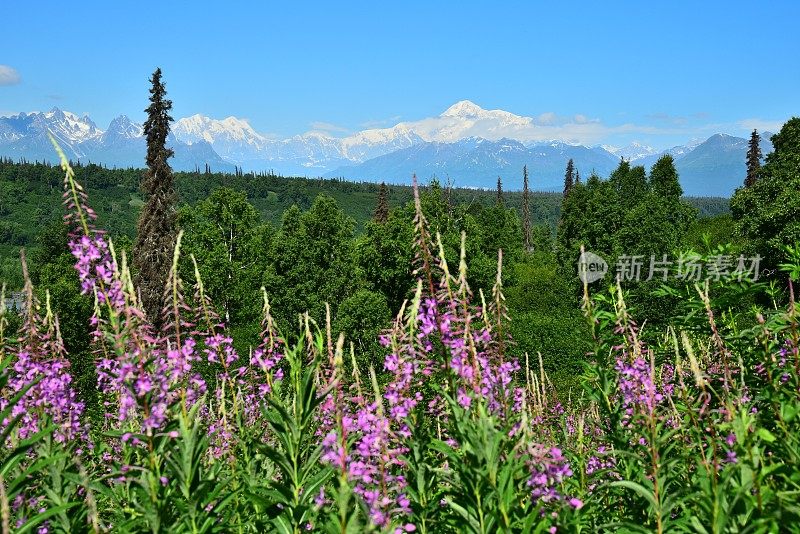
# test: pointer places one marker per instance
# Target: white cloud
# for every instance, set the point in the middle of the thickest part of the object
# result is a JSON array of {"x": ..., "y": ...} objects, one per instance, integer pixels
[
  {"x": 761, "y": 125},
  {"x": 380, "y": 123},
  {"x": 583, "y": 119},
  {"x": 8, "y": 76},
  {"x": 546, "y": 118},
  {"x": 327, "y": 127}
]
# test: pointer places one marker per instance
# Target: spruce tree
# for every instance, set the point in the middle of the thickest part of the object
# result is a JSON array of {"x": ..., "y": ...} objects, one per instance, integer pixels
[
  {"x": 753, "y": 159},
  {"x": 382, "y": 209},
  {"x": 526, "y": 212},
  {"x": 156, "y": 229},
  {"x": 577, "y": 176},
  {"x": 569, "y": 177},
  {"x": 499, "y": 191}
]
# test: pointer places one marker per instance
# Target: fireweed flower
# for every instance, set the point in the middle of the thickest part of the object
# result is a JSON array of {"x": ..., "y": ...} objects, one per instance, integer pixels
[
  {"x": 145, "y": 385},
  {"x": 52, "y": 397},
  {"x": 549, "y": 469},
  {"x": 471, "y": 355},
  {"x": 372, "y": 443},
  {"x": 97, "y": 270},
  {"x": 374, "y": 456},
  {"x": 243, "y": 385},
  {"x": 41, "y": 355},
  {"x": 601, "y": 461},
  {"x": 637, "y": 389},
  {"x": 371, "y": 462},
  {"x": 256, "y": 381},
  {"x": 140, "y": 378},
  {"x": 219, "y": 349}
]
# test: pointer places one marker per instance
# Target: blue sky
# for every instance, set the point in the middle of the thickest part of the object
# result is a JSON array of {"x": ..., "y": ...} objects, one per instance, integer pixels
[{"x": 657, "y": 72}]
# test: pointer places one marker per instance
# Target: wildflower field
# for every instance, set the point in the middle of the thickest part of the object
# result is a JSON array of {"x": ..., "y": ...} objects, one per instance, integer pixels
[{"x": 694, "y": 430}]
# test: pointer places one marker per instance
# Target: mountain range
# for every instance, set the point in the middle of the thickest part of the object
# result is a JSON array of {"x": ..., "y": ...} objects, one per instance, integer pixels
[
  {"x": 122, "y": 144},
  {"x": 466, "y": 144}
]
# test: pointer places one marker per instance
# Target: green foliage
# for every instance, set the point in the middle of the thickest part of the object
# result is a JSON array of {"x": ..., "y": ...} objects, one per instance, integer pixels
[
  {"x": 485, "y": 481},
  {"x": 296, "y": 452},
  {"x": 569, "y": 177},
  {"x": 385, "y": 256},
  {"x": 630, "y": 185},
  {"x": 629, "y": 215},
  {"x": 361, "y": 318},
  {"x": 30, "y": 195},
  {"x": 545, "y": 322},
  {"x": 664, "y": 179},
  {"x": 766, "y": 211},
  {"x": 172, "y": 486},
  {"x": 706, "y": 233},
  {"x": 382, "y": 208},
  {"x": 312, "y": 262},
  {"x": 231, "y": 246}
]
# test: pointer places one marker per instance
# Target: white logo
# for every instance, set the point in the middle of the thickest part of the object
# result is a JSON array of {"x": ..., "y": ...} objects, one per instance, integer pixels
[{"x": 591, "y": 267}]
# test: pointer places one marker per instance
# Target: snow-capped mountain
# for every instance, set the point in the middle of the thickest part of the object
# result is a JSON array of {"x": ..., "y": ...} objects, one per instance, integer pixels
[
  {"x": 233, "y": 139},
  {"x": 463, "y": 120},
  {"x": 28, "y": 132},
  {"x": 633, "y": 152},
  {"x": 123, "y": 145},
  {"x": 466, "y": 143},
  {"x": 470, "y": 162},
  {"x": 236, "y": 141},
  {"x": 121, "y": 130}
]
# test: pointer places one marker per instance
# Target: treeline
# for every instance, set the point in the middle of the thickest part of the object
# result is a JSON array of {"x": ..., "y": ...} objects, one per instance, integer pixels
[
  {"x": 318, "y": 256},
  {"x": 30, "y": 198},
  {"x": 316, "y": 242},
  {"x": 363, "y": 268}
]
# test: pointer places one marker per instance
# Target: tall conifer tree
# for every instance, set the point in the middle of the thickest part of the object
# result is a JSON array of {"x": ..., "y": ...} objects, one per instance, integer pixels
[
  {"x": 499, "y": 191},
  {"x": 753, "y": 159},
  {"x": 382, "y": 208},
  {"x": 526, "y": 211},
  {"x": 569, "y": 177},
  {"x": 156, "y": 229}
]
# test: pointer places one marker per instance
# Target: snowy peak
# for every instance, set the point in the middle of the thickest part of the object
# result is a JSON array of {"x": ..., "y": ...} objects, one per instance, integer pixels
[
  {"x": 231, "y": 129},
  {"x": 466, "y": 141},
  {"x": 123, "y": 128},
  {"x": 66, "y": 125},
  {"x": 633, "y": 152},
  {"x": 235, "y": 140},
  {"x": 232, "y": 138},
  {"x": 26, "y": 135},
  {"x": 464, "y": 109},
  {"x": 468, "y": 111}
]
